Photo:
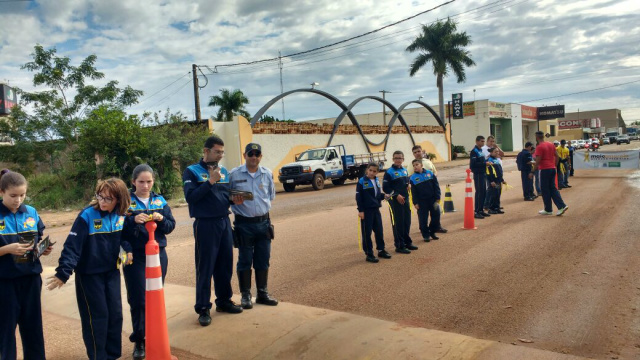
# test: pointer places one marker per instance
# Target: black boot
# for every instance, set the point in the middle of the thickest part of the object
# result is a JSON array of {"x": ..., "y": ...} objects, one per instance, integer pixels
[
  {"x": 244, "y": 279},
  {"x": 138, "y": 351},
  {"x": 261, "y": 283}
]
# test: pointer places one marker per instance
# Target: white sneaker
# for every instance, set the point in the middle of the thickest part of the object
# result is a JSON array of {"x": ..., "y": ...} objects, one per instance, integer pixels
[
  {"x": 542, "y": 212},
  {"x": 563, "y": 210}
]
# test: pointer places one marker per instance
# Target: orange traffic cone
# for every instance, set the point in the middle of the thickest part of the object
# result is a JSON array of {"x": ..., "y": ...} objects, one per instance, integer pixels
[
  {"x": 156, "y": 333},
  {"x": 468, "y": 204}
]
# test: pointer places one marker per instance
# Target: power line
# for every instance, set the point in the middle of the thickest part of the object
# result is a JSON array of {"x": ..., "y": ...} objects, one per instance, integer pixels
[
  {"x": 579, "y": 92},
  {"x": 168, "y": 96},
  {"x": 159, "y": 91}
]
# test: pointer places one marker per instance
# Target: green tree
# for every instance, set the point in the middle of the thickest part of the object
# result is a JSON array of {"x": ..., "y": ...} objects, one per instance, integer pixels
[
  {"x": 230, "y": 103},
  {"x": 443, "y": 47}
]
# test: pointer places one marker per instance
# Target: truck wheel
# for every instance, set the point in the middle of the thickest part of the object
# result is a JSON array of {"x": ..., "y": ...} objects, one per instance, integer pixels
[
  {"x": 339, "y": 181},
  {"x": 289, "y": 187},
  {"x": 318, "y": 181}
]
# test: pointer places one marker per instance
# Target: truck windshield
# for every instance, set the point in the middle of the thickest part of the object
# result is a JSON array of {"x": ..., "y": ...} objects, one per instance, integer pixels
[{"x": 317, "y": 154}]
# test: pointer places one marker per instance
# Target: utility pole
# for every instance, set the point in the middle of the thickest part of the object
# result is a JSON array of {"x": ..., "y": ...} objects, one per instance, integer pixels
[
  {"x": 281, "y": 86},
  {"x": 384, "y": 107},
  {"x": 196, "y": 91}
]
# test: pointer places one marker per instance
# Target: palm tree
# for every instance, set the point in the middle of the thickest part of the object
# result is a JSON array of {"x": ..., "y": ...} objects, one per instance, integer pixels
[
  {"x": 230, "y": 103},
  {"x": 444, "y": 48}
]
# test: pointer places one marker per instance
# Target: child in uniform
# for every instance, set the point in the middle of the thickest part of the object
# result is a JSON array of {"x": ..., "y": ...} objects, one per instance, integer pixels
[
  {"x": 369, "y": 197},
  {"x": 495, "y": 180},
  {"x": 20, "y": 281},
  {"x": 92, "y": 250},
  {"x": 426, "y": 194},
  {"x": 145, "y": 206},
  {"x": 396, "y": 183}
]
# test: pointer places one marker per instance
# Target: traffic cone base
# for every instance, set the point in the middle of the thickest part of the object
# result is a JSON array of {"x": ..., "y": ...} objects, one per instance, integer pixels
[{"x": 448, "y": 200}]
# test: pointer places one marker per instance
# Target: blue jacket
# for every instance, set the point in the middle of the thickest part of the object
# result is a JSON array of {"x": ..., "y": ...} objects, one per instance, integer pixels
[
  {"x": 424, "y": 187},
  {"x": 395, "y": 181},
  {"x": 366, "y": 197},
  {"x": 494, "y": 171},
  {"x": 93, "y": 244},
  {"x": 25, "y": 220},
  {"x": 523, "y": 159},
  {"x": 136, "y": 234},
  {"x": 206, "y": 200},
  {"x": 477, "y": 161}
]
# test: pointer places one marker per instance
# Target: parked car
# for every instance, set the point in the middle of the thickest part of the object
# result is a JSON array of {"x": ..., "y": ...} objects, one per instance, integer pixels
[
  {"x": 623, "y": 139},
  {"x": 581, "y": 144},
  {"x": 606, "y": 141},
  {"x": 633, "y": 136},
  {"x": 574, "y": 143}
]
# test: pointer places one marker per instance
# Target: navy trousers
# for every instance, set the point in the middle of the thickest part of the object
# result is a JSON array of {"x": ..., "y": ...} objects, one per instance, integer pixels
[
  {"x": 135, "y": 281},
  {"x": 214, "y": 258},
  {"x": 493, "y": 196},
  {"x": 20, "y": 306},
  {"x": 402, "y": 223},
  {"x": 480, "y": 184},
  {"x": 372, "y": 222},
  {"x": 426, "y": 209},
  {"x": 255, "y": 249},
  {"x": 527, "y": 184},
  {"x": 549, "y": 190},
  {"x": 100, "y": 308}
]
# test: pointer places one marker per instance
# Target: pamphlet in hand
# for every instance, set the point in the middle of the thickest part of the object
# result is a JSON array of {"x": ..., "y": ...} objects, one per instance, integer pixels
[
  {"x": 246, "y": 195},
  {"x": 42, "y": 247}
]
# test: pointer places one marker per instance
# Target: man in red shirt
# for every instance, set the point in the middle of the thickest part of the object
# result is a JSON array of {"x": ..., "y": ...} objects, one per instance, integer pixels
[{"x": 546, "y": 161}]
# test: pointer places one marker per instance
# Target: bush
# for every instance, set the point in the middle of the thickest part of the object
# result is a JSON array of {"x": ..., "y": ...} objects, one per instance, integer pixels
[{"x": 47, "y": 191}]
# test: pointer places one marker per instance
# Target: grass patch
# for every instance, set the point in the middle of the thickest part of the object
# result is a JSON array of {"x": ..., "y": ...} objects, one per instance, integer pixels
[{"x": 50, "y": 192}]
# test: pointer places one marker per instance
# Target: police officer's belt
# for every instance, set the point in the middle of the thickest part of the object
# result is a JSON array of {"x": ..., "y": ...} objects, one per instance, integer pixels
[{"x": 255, "y": 219}]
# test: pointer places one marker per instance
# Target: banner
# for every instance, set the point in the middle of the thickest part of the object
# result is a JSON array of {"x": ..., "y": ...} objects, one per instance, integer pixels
[
  {"x": 529, "y": 112},
  {"x": 469, "y": 108},
  {"x": 606, "y": 160},
  {"x": 456, "y": 102},
  {"x": 8, "y": 99},
  {"x": 551, "y": 112},
  {"x": 497, "y": 109}
]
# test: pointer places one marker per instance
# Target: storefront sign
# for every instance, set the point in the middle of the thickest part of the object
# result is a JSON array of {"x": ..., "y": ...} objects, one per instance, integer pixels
[
  {"x": 8, "y": 99},
  {"x": 497, "y": 109},
  {"x": 529, "y": 112},
  {"x": 570, "y": 124},
  {"x": 551, "y": 112},
  {"x": 469, "y": 108},
  {"x": 456, "y": 102}
]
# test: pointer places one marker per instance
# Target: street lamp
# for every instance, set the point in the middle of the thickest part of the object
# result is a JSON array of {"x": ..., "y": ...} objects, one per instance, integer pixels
[
  {"x": 420, "y": 97},
  {"x": 314, "y": 84}
]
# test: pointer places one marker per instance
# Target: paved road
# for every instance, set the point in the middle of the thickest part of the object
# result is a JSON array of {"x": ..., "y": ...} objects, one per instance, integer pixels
[{"x": 570, "y": 284}]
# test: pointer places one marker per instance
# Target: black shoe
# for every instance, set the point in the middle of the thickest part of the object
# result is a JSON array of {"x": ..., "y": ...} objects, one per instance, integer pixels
[
  {"x": 485, "y": 214},
  {"x": 427, "y": 239},
  {"x": 412, "y": 247},
  {"x": 372, "y": 259},
  {"x": 434, "y": 237},
  {"x": 384, "y": 254},
  {"x": 138, "y": 351},
  {"x": 442, "y": 230},
  {"x": 528, "y": 199},
  {"x": 403, "y": 251},
  {"x": 205, "y": 318},
  {"x": 262, "y": 276},
  {"x": 499, "y": 211},
  {"x": 229, "y": 307},
  {"x": 568, "y": 186},
  {"x": 478, "y": 216}
]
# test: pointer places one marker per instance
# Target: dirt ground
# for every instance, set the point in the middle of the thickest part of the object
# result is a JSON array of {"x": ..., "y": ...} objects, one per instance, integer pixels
[{"x": 569, "y": 284}]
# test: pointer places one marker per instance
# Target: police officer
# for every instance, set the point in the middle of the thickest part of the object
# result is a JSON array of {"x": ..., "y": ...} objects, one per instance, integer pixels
[
  {"x": 206, "y": 189},
  {"x": 396, "y": 183},
  {"x": 478, "y": 165},
  {"x": 253, "y": 230}
]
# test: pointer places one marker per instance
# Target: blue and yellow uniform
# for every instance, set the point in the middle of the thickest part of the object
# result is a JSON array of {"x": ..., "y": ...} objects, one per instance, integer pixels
[
  {"x": 478, "y": 166},
  {"x": 396, "y": 181},
  {"x": 425, "y": 192},
  {"x": 209, "y": 205},
  {"x": 20, "y": 286},
  {"x": 137, "y": 235},
  {"x": 91, "y": 251},
  {"x": 369, "y": 198},
  {"x": 523, "y": 161},
  {"x": 494, "y": 175}
]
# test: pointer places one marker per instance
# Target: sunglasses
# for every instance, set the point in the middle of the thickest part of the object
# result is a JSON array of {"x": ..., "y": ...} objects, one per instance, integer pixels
[{"x": 254, "y": 154}]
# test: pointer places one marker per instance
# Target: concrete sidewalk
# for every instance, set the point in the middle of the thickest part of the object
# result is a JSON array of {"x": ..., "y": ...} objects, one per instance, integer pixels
[{"x": 291, "y": 331}]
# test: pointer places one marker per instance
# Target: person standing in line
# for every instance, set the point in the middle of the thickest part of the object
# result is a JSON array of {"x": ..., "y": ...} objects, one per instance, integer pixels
[
  {"x": 495, "y": 179},
  {"x": 546, "y": 160},
  {"x": 145, "y": 206},
  {"x": 536, "y": 174},
  {"x": 524, "y": 161},
  {"x": 206, "y": 189},
  {"x": 92, "y": 250},
  {"x": 478, "y": 165},
  {"x": 20, "y": 280},
  {"x": 491, "y": 144},
  {"x": 426, "y": 194},
  {"x": 396, "y": 184},
  {"x": 369, "y": 198},
  {"x": 571, "y": 150},
  {"x": 253, "y": 229},
  {"x": 563, "y": 165},
  {"x": 427, "y": 164}
]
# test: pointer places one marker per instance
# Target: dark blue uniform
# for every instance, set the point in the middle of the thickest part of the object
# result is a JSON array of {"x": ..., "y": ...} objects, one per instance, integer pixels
[
  {"x": 369, "y": 198},
  {"x": 477, "y": 164},
  {"x": 91, "y": 250},
  {"x": 137, "y": 235},
  {"x": 209, "y": 205},
  {"x": 396, "y": 181},
  {"x": 20, "y": 287},
  {"x": 425, "y": 192},
  {"x": 494, "y": 174},
  {"x": 523, "y": 161}
]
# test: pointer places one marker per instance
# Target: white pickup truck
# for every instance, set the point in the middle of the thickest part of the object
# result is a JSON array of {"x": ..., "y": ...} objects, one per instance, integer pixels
[{"x": 314, "y": 166}]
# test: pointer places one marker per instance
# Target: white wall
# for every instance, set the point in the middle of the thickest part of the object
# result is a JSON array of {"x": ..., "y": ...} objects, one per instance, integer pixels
[{"x": 516, "y": 126}]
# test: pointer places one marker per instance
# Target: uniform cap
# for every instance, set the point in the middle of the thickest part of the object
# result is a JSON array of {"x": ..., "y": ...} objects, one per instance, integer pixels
[{"x": 252, "y": 146}]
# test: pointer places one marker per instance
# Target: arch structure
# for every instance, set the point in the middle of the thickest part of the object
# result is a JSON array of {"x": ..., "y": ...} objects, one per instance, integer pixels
[{"x": 347, "y": 111}]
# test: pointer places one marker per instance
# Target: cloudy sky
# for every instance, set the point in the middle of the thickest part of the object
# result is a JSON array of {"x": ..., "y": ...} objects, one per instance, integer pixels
[{"x": 584, "y": 54}]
